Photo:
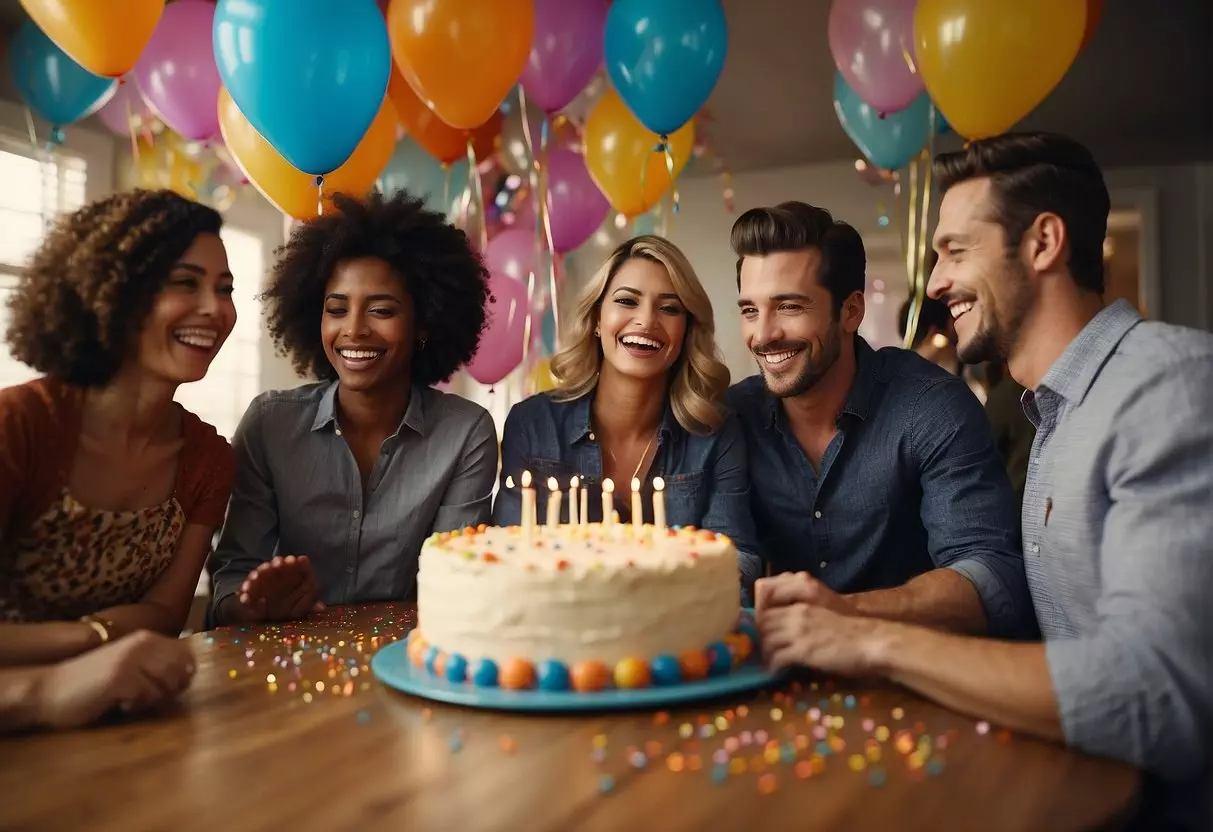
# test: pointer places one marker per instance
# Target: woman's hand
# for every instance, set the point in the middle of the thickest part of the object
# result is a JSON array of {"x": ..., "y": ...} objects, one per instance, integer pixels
[
  {"x": 133, "y": 674},
  {"x": 282, "y": 589}
]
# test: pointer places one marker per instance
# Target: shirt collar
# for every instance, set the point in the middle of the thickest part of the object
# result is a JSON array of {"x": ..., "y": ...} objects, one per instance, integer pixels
[
  {"x": 863, "y": 386},
  {"x": 414, "y": 414},
  {"x": 583, "y": 422},
  {"x": 1072, "y": 375}
]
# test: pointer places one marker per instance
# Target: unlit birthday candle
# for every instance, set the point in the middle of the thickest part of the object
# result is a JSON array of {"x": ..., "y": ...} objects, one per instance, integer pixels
[
  {"x": 573, "y": 501},
  {"x": 528, "y": 504},
  {"x": 658, "y": 504},
  {"x": 608, "y": 497},
  {"x": 637, "y": 508},
  {"x": 553, "y": 518}
]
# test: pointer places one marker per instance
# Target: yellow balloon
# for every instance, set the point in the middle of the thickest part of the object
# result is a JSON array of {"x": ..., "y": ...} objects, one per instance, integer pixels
[
  {"x": 988, "y": 63},
  {"x": 619, "y": 150},
  {"x": 540, "y": 378},
  {"x": 289, "y": 189},
  {"x": 106, "y": 38}
]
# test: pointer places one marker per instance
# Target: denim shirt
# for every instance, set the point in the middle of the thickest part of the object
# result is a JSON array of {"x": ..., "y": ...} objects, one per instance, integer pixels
[
  {"x": 912, "y": 481},
  {"x": 706, "y": 477}
]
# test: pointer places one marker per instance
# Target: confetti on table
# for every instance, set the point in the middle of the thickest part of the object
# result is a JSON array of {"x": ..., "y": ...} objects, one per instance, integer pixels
[
  {"x": 606, "y": 784},
  {"x": 767, "y": 783},
  {"x": 507, "y": 744}
]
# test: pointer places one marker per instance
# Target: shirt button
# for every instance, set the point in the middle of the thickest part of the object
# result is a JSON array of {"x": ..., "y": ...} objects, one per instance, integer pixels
[
  {"x": 337, "y": 431},
  {"x": 817, "y": 514},
  {"x": 1035, "y": 548},
  {"x": 823, "y": 564},
  {"x": 592, "y": 437},
  {"x": 357, "y": 514},
  {"x": 349, "y": 569}
]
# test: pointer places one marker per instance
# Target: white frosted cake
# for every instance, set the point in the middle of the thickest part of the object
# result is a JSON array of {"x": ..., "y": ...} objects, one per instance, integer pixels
[{"x": 578, "y": 607}]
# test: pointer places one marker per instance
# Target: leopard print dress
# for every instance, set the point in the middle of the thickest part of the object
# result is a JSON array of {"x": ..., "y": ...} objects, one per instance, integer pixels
[{"x": 74, "y": 560}]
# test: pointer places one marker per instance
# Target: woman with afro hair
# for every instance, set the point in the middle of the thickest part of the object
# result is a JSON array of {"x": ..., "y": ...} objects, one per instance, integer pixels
[
  {"x": 339, "y": 482},
  {"x": 110, "y": 492}
]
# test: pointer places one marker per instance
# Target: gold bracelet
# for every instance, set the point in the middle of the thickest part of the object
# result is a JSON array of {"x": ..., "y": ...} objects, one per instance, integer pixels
[{"x": 101, "y": 627}]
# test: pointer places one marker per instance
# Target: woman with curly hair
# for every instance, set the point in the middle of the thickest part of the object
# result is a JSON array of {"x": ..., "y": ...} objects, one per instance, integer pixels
[
  {"x": 110, "y": 491},
  {"x": 340, "y": 481},
  {"x": 639, "y": 382}
]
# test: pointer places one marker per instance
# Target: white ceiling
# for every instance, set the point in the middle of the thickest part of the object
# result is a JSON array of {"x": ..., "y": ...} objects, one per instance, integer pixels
[{"x": 1140, "y": 93}]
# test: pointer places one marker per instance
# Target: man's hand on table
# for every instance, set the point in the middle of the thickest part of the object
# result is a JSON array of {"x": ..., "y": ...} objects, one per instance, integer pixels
[
  {"x": 802, "y": 621},
  {"x": 133, "y": 674},
  {"x": 282, "y": 589}
]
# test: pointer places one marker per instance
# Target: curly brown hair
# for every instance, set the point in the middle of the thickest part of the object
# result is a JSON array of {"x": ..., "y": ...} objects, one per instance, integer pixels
[
  {"x": 78, "y": 308},
  {"x": 433, "y": 259}
]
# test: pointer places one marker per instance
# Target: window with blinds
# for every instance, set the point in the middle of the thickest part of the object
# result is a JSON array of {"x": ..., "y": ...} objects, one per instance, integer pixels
[{"x": 37, "y": 187}]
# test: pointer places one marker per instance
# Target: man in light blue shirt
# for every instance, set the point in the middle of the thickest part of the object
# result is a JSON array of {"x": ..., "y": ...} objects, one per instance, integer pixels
[{"x": 1118, "y": 507}]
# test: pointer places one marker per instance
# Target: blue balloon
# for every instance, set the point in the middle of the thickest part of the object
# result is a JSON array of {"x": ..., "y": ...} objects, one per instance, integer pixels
[
  {"x": 547, "y": 331},
  {"x": 54, "y": 86},
  {"x": 414, "y": 170},
  {"x": 942, "y": 128},
  {"x": 309, "y": 75},
  {"x": 664, "y": 57},
  {"x": 889, "y": 142}
]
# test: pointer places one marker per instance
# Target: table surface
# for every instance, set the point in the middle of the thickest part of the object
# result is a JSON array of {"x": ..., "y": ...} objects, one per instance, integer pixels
[{"x": 286, "y": 727}]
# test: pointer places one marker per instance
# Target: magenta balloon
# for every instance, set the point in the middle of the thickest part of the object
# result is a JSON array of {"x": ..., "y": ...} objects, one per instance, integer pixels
[
  {"x": 177, "y": 71},
  {"x": 512, "y": 254},
  {"x": 575, "y": 204},
  {"x": 566, "y": 50},
  {"x": 501, "y": 343},
  {"x": 126, "y": 102},
  {"x": 872, "y": 44}
]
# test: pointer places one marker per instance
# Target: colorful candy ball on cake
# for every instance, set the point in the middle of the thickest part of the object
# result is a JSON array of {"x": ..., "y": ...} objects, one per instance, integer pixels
[
  {"x": 750, "y": 629},
  {"x": 518, "y": 674},
  {"x": 416, "y": 649},
  {"x": 739, "y": 646},
  {"x": 484, "y": 673},
  {"x": 431, "y": 657},
  {"x": 666, "y": 670},
  {"x": 694, "y": 665},
  {"x": 720, "y": 658},
  {"x": 456, "y": 669},
  {"x": 590, "y": 676},
  {"x": 632, "y": 673},
  {"x": 553, "y": 676}
]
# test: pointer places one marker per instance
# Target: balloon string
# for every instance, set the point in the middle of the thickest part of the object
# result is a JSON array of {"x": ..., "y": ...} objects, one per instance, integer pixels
[
  {"x": 477, "y": 194},
  {"x": 911, "y": 255},
  {"x": 320, "y": 196},
  {"x": 669, "y": 166},
  {"x": 133, "y": 129},
  {"x": 536, "y": 183},
  {"x": 545, "y": 219}
]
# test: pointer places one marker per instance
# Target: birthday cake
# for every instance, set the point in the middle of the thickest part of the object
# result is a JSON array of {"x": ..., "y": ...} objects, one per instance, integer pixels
[{"x": 580, "y": 606}]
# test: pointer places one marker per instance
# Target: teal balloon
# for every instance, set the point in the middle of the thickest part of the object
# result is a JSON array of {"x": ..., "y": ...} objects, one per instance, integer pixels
[
  {"x": 646, "y": 223},
  {"x": 547, "y": 331},
  {"x": 53, "y": 85},
  {"x": 890, "y": 142},
  {"x": 309, "y": 75},
  {"x": 942, "y": 128},
  {"x": 414, "y": 170}
]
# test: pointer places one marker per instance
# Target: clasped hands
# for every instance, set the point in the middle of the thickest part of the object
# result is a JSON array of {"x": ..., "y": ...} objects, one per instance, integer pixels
[{"x": 802, "y": 621}]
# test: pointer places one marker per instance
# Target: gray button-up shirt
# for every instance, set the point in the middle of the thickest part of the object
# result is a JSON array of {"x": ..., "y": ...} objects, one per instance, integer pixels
[
  {"x": 1118, "y": 545},
  {"x": 298, "y": 491}
]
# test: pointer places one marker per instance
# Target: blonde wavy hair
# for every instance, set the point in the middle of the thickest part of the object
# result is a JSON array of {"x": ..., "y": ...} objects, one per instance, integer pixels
[{"x": 698, "y": 378}]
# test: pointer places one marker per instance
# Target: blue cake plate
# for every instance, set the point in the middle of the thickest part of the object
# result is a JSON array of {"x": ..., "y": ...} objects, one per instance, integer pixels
[{"x": 392, "y": 667}]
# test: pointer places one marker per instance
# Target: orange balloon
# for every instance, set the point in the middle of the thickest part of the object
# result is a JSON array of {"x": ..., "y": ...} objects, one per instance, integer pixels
[
  {"x": 289, "y": 189},
  {"x": 101, "y": 37},
  {"x": 461, "y": 57},
  {"x": 445, "y": 143},
  {"x": 619, "y": 150}
]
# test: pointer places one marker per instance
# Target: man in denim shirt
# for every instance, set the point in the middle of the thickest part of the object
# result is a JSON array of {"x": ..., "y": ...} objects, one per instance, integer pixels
[{"x": 874, "y": 472}]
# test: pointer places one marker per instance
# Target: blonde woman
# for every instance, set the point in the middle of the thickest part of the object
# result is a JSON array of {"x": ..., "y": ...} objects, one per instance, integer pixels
[{"x": 639, "y": 381}]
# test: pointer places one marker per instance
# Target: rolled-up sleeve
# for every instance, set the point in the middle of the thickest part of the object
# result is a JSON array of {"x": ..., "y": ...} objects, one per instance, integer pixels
[
  {"x": 1140, "y": 688},
  {"x": 969, "y": 509},
  {"x": 729, "y": 510}
]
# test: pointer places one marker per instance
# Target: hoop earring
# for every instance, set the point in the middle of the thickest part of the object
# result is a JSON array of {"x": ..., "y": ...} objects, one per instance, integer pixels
[{"x": 597, "y": 334}]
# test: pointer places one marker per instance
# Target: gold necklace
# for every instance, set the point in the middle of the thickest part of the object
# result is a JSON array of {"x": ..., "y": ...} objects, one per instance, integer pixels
[{"x": 643, "y": 456}]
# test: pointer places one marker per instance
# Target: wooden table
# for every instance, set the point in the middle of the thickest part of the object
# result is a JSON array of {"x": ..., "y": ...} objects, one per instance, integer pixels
[{"x": 285, "y": 728}]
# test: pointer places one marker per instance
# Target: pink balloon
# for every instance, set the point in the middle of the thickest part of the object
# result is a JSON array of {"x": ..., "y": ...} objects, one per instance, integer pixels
[
  {"x": 575, "y": 204},
  {"x": 126, "y": 102},
  {"x": 512, "y": 254},
  {"x": 501, "y": 343},
  {"x": 177, "y": 71},
  {"x": 871, "y": 41},
  {"x": 566, "y": 50}
]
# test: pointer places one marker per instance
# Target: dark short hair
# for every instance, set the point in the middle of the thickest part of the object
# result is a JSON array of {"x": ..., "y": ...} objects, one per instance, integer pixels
[
  {"x": 1035, "y": 173},
  {"x": 432, "y": 258},
  {"x": 78, "y": 308},
  {"x": 794, "y": 226},
  {"x": 933, "y": 314}
]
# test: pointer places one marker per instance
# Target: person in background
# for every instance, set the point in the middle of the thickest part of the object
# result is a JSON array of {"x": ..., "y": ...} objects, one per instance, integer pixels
[
  {"x": 639, "y": 380},
  {"x": 873, "y": 473},
  {"x": 933, "y": 338},
  {"x": 339, "y": 482},
  {"x": 1118, "y": 532},
  {"x": 110, "y": 491},
  {"x": 1013, "y": 431}
]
